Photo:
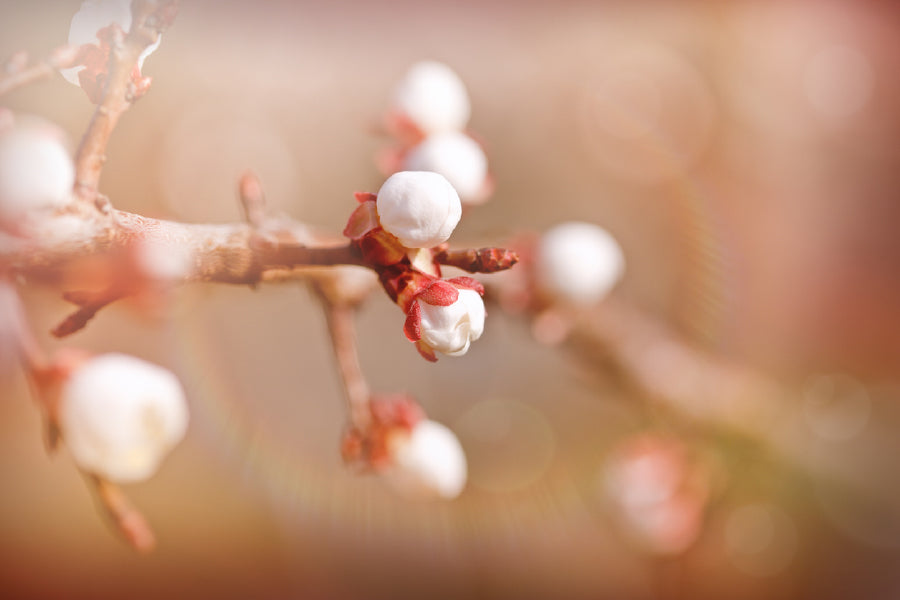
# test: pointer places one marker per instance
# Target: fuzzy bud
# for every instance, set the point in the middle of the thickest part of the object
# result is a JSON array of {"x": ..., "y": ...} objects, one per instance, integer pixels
[
  {"x": 426, "y": 461},
  {"x": 452, "y": 329},
  {"x": 420, "y": 209},
  {"x": 36, "y": 172},
  {"x": 578, "y": 263},
  {"x": 120, "y": 416},
  {"x": 457, "y": 157},
  {"x": 433, "y": 97},
  {"x": 93, "y": 16},
  {"x": 446, "y": 316}
]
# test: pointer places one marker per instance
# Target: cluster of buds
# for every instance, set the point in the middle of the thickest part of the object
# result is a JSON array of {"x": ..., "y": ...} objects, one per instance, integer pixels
[
  {"x": 417, "y": 457},
  {"x": 395, "y": 232},
  {"x": 428, "y": 117}
]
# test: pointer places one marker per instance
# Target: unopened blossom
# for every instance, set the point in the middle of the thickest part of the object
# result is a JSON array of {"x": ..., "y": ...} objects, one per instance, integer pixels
[
  {"x": 426, "y": 461},
  {"x": 419, "y": 208},
  {"x": 433, "y": 98},
  {"x": 446, "y": 317},
  {"x": 457, "y": 157},
  {"x": 578, "y": 263},
  {"x": 451, "y": 329},
  {"x": 120, "y": 416},
  {"x": 36, "y": 171},
  {"x": 93, "y": 16}
]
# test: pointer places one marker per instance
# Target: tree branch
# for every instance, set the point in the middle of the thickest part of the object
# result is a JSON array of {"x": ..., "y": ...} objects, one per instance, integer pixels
[
  {"x": 230, "y": 253},
  {"x": 343, "y": 340},
  {"x": 150, "y": 18},
  {"x": 125, "y": 517}
]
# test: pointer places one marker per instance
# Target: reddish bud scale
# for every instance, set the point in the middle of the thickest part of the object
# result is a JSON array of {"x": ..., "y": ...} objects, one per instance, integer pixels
[{"x": 369, "y": 449}]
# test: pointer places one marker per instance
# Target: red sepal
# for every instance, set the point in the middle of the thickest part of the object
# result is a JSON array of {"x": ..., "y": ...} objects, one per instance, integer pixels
[
  {"x": 413, "y": 326},
  {"x": 364, "y": 197},
  {"x": 439, "y": 293},
  {"x": 426, "y": 351},
  {"x": 362, "y": 220},
  {"x": 467, "y": 283}
]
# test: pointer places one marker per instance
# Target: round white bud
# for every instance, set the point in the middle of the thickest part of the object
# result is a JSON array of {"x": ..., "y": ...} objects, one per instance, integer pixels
[
  {"x": 578, "y": 263},
  {"x": 120, "y": 416},
  {"x": 433, "y": 97},
  {"x": 36, "y": 171},
  {"x": 454, "y": 155},
  {"x": 420, "y": 208},
  {"x": 93, "y": 16},
  {"x": 427, "y": 462},
  {"x": 452, "y": 329}
]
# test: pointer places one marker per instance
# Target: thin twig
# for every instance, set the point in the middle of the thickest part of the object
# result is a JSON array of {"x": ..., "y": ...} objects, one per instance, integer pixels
[
  {"x": 483, "y": 260},
  {"x": 25, "y": 77},
  {"x": 127, "y": 519},
  {"x": 148, "y": 21},
  {"x": 253, "y": 200},
  {"x": 342, "y": 329}
]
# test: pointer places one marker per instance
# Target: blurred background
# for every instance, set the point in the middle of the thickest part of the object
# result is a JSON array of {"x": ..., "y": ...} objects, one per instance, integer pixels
[{"x": 743, "y": 153}]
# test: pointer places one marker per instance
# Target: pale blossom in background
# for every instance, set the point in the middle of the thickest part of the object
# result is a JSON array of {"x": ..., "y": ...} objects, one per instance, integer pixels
[
  {"x": 93, "y": 16},
  {"x": 120, "y": 416},
  {"x": 427, "y": 462},
  {"x": 36, "y": 171},
  {"x": 457, "y": 157},
  {"x": 421, "y": 209},
  {"x": 433, "y": 97},
  {"x": 578, "y": 263}
]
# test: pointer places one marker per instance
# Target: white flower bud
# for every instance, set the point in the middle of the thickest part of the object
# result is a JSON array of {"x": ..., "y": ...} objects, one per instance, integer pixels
[
  {"x": 578, "y": 263},
  {"x": 120, "y": 416},
  {"x": 93, "y": 16},
  {"x": 433, "y": 97},
  {"x": 452, "y": 329},
  {"x": 427, "y": 462},
  {"x": 454, "y": 155},
  {"x": 421, "y": 209},
  {"x": 36, "y": 172}
]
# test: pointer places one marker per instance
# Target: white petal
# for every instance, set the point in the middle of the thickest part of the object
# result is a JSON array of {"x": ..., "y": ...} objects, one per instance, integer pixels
[
  {"x": 36, "y": 172},
  {"x": 433, "y": 97},
  {"x": 454, "y": 155},
  {"x": 120, "y": 416},
  {"x": 451, "y": 329},
  {"x": 421, "y": 209},
  {"x": 578, "y": 263},
  {"x": 429, "y": 462}
]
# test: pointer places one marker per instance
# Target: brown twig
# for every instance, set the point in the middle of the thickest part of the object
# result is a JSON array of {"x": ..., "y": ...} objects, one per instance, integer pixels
[
  {"x": 483, "y": 260},
  {"x": 687, "y": 381},
  {"x": 150, "y": 18},
  {"x": 17, "y": 75},
  {"x": 253, "y": 200},
  {"x": 88, "y": 306},
  {"x": 23, "y": 77},
  {"x": 217, "y": 253},
  {"x": 127, "y": 519},
  {"x": 343, "y": 340}
]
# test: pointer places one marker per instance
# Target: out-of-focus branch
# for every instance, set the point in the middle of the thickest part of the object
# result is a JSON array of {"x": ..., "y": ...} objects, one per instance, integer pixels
[
  {"x": 125, "y": 517},
  {"x": 687, "y": 381},
  {"x": 149, "y": 19},
  {"x": 16, "y": 74}
]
